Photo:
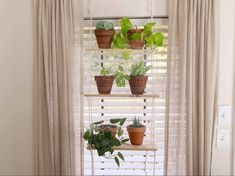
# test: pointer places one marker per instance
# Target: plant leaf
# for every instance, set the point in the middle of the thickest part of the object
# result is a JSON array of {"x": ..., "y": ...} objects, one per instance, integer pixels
[
  {"x": 120, "y": 132},
  {"x": 120, "y": 68},
  {"x": 113, "y": 121},
  {"x": 125, "y": 26},
  {"x": 117, "y": 161},
  {"x": 136, "y": 36},
  {"x": 158, "y": 39},
  {"x": 111, "y": 150},
  {"x": 124, "y": 141},
  {"x": 98, "y": 122},
  {"x": 108, "y": 134},
  {"x": 127, "y": 77},
  {"x": 126, "y": 55},
  {"x": 120, "y": 156},
  {"x": 150, "y": 41},
  {"x": 122, "y": 121},
  {"x": 86, "y": 135}
]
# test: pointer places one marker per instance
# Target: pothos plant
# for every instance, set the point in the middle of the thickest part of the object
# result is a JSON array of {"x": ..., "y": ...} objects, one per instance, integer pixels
[
  {"x": 121, "y": 77},
  {"x": 103, "y": 140},
  {"x": 121, "y": 39},
  {"x": 150, "y": 38}
]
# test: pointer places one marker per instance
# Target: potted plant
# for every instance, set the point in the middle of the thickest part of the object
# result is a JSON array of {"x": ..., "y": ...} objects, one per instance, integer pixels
[
  {"x": 137, "y": 38},
  {"x": 146, "y": 36},
  {"x": 104, "y": 81},
  {"x": 121, "y": 39},
  {"x": 136, "y": 131},
  {"x": 101, "y": 138},
  {"x": 104, "y": 33},
  {"x": 138, "y": 79}
]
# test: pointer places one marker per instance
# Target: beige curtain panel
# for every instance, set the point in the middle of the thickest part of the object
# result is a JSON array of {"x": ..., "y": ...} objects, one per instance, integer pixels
[
  {"x": 57, "y": 127},
  {"x": 192, "y": 86}
]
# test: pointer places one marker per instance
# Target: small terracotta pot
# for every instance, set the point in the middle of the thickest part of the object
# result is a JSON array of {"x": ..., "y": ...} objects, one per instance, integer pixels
[
  {"x": 138, "y": 84},
  {"x": 104, "y": 84},
  {"x": 137, "y": 44},
  {"x": 112, "y": 128},
  {"x": 136, "y": 135},
  {"x": 133, "y": 31},
  {"x": 104, "y": 38}
]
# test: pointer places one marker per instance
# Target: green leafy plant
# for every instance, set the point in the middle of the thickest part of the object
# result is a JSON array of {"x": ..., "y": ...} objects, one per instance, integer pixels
[
  {"x": 105, "y": 71},
  {"x": 139, "y": 69},
  {"x": 120, "y": 39},
  {"x": 104, "y": 25},
  {"x": 149, "y": 37},
  {"x": 121, "y": 77},
  {"x": 136, "y": 123},
  {"x": 103, "y": 141}
]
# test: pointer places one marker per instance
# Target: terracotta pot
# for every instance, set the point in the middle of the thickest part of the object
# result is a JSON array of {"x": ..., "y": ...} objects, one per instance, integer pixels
[
  {"x": 112, "y": 128},
  {"x": 132, "y": 31},
  {"x": 137, "y": 44},
  {"x": 138, "y": 84},
  {"x": 136, "y": 134},
  {"x": 104, "y": 38},
  {"x": 104, "y": 84}
]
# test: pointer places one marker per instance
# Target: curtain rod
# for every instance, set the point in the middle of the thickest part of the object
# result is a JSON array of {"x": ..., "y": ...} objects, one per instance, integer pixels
[{"x": 119, "y": 17}]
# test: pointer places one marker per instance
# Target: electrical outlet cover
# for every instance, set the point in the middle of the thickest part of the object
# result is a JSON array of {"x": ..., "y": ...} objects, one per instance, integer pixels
[
  {"x": 222, "y": 138},
  {"x": 224, "y": 115}
]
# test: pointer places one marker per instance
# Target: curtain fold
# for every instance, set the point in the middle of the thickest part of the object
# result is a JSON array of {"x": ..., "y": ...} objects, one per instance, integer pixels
[
  {"x": 192, "y": 86},
  {"x": 57, "y": 128}
]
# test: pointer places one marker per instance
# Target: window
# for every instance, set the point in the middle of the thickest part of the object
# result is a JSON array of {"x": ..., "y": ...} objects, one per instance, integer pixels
[{"x": 151, "y": 110}]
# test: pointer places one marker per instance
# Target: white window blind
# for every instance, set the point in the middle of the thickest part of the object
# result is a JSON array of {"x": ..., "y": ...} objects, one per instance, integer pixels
[{"x": 151, "y": 110}]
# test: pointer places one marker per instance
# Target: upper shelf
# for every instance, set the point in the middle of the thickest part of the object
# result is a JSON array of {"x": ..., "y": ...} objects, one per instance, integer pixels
[
  {"x": 121, "y": 95},
  {"x": 111, "y": 50}
]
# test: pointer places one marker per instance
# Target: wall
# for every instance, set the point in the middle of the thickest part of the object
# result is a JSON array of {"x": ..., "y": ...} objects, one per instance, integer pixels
[
  {"x": 126, "y": 8},
  {"x": 222, "y": 158},
  {"x": 16, "y": 56}
]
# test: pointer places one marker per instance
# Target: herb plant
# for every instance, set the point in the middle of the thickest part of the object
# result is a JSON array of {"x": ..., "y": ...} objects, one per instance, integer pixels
[
  {"x": 121, "y": 77},
  {"x": 105, "y": 71},
  {"x": 103, "y": 141},
  {"x": 136, "y": 123},
  {"x": 139, "y": 69},
  {"x": 104, "y": 25}
]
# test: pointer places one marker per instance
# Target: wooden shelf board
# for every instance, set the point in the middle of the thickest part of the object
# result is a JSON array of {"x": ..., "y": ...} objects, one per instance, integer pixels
[
  {"x": 143, "y": 147},
  {"x": 121, "y": 95},
  {"x": 120, "y": 50}
]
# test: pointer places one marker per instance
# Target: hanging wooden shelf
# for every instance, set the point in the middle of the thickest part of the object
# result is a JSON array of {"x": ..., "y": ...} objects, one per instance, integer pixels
[
  {"x": 121, "y": 95},
  {"x": 143, "y": 147}
]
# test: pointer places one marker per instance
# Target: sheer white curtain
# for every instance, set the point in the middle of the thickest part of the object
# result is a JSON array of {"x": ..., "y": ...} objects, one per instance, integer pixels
[
  {"x": 192, "y": 86},
  {"x": 57, "y": 113}
]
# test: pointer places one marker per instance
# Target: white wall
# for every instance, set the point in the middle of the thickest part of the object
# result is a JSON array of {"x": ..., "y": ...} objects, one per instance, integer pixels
[
  {"x": 126, "y": 8},
  {"x": 16, "y": 64},
  {"x": 16, "y": 57},
  {"x": 222, "y": 158}
]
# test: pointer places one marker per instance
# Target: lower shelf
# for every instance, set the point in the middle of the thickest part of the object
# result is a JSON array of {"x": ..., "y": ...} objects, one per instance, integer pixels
[{"x": 143, "y": 147}]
